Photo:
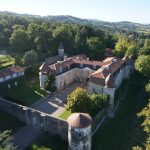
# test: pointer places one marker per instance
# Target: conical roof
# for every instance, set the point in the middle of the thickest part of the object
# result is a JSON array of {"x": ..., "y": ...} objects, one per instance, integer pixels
[{"x": 79, "y": 120}]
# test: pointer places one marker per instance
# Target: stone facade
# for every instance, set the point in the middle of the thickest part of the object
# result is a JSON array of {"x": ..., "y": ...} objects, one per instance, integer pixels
[
  {"x": 76, "y": 74},
  {"x": 79, "y": 132}
]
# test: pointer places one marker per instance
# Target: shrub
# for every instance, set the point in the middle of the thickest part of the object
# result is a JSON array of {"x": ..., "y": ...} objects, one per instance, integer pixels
[{"x": 80, "y": 101}]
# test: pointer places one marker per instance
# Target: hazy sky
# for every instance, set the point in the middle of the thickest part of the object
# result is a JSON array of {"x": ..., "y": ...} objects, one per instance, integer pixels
[{"x": 107, "y": 10}]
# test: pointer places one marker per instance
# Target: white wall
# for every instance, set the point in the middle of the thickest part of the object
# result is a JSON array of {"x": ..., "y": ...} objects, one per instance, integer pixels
[{"x": 42, "y": 79}]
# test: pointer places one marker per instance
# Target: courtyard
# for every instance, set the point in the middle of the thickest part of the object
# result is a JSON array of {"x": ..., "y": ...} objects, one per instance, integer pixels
[{"x": 54, "y": 104}]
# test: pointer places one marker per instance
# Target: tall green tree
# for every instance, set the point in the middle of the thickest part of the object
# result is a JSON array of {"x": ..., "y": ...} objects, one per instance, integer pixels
[
  {"x": 19, "y": 40},
  {"x": 5, "y": 141},
  {"x": 142, "y": 65},
  {"x": 79, "y": 101},
  {"x": 132, "y": 50},
  {"x": 121, "y": 46},
  {"x": 30, "y": 58},
  {"x": 96, "y": 47}
]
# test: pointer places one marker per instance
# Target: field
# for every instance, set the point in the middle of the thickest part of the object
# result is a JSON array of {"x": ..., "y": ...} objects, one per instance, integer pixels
[{"x": 47, "y": 142}]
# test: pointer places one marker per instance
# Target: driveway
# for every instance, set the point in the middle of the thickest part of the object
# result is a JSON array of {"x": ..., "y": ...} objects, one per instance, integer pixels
[{"x": 55, "y": 104}]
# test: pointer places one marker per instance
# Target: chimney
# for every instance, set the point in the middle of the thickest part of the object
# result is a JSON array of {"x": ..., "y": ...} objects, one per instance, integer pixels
[{"x": 65, "y": 57}]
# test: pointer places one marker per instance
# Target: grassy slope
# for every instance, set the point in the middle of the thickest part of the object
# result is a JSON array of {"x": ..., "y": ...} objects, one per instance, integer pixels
[
  {"x": 25, "y": 93},
  {"x": 124, "y": 131}
]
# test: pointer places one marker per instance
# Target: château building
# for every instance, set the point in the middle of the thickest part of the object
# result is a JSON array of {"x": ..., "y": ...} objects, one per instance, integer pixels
[{"x": 102, "y": 76}]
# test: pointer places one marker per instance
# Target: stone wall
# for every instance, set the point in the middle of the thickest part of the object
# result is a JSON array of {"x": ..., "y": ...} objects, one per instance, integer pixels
[
  {"x": 36, "y": 118},
  {"x": 98, "y": 118}
]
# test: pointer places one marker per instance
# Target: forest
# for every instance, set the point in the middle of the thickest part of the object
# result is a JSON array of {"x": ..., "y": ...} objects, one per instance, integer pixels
[{"x": 22, "y": 33}]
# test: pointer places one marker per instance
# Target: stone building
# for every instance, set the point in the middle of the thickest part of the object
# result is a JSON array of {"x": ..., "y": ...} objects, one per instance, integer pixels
[
  {"x": 79, "y": 132},
  {"x": 102, "y": 76}
]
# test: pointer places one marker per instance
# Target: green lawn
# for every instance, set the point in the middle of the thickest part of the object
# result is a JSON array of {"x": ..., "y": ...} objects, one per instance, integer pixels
[
  {"x": 47, "y": 142},
  {"x": 27, "y": 92},
  {"x": 65, "y": 115},
  {"x": 6, "y": 61},
  {"x": 124, "y": 130},
  {"x": 8, "y": 122}
]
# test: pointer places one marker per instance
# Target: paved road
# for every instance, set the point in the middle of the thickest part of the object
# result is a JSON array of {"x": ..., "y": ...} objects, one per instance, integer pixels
[{"x": 55, "y": 104}]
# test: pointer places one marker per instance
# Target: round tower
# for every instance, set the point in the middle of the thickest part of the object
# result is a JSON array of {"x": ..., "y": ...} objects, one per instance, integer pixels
[
  {"x": 42, "y": 78},
  {"x": 43, "y": 74},
  {"x": 79, "y": 132},
  {"x": 61, "y": 50}
]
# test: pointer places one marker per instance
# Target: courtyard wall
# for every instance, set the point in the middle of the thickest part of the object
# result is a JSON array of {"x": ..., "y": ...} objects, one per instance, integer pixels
[{"x": 36, "y": 118}]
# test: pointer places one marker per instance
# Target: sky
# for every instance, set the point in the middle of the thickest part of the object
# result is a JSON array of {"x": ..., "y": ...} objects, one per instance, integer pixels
[{"x": 106, "y": 10}]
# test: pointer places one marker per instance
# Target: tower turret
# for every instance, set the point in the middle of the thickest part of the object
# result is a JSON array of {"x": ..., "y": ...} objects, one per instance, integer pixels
[
  {"x": 79, "y": 132},
  {"x": 61, "y": 50}
]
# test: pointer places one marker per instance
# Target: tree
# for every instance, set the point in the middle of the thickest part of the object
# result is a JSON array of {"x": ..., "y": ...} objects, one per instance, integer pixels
[
  {"x": 5, "y": 139},
  {"x": 50, "y": 83},
  {"x": 30, "y": 58},
  {"x": 145, "y": 51},
  {"x": 132, "y": 50},
  {"x": 19, "y": 40},
  {"x": 146, "y": 43},
  {"x": 18, "y": 60},
  {"x": 96, "y": 47},
  {"x": 137, "y": 148},
  {"x": 121, "y": 46},
  {"x": 146, "y": 124},
  {"x": 142, "y": 64},
  {"x": 99, "y": 101},
  {"x": 79, "y": 101},
  {"x": 147, "y": 87}
]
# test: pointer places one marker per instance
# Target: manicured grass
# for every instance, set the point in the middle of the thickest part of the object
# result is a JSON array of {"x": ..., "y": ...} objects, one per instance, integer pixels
[
  {"x": 8, "y": 122},
  {"x": 65, "y": 115},
  {"x": 47, "y": 142},
  {"x": 27, "y": 92},
  {"x": 6, "y": 60},
  {"x": 124, "y": 130}
]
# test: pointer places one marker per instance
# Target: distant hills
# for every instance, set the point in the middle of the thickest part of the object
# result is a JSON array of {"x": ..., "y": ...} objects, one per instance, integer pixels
[{"x": 122, "y": 26}]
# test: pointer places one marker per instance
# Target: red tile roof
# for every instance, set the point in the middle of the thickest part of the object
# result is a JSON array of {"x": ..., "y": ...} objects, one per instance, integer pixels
[
  {"x": 104, "y": 74},
  {"x": 10, "y": 71}
]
